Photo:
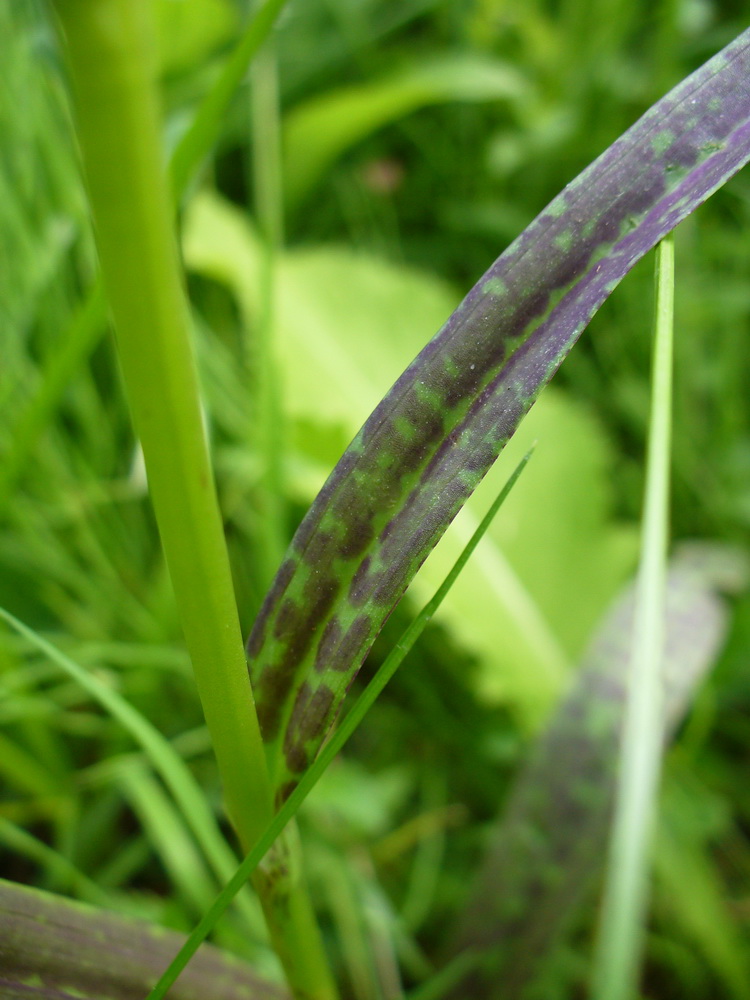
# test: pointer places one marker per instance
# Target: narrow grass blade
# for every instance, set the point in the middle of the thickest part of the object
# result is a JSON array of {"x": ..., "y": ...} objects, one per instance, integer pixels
[
  {"x": 328, "y": 752},
  {"x": 433, "y": 437},
  {"x": 20, "y": 769},
  {"x": 54, "y": 948},
  {"x": 89, "y": 323},
  {"x": 77, "y": 342},
  {"x": 167, "y": 833},
  {"x": 624, "y": 908},
  {"x": 172, "y": 769},
  {"x": 263, "y": 381},
  {"x": 56, "y": 865},
  {"x": 205, "y": 127}
]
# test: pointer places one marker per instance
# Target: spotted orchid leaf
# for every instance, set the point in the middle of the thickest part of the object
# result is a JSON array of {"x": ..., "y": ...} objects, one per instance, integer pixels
[
  {"x": 53, "y": 948},
  {"x": 345, "y": 325},
  {"x": 430, "y": 441},
  {"x": 550, "y": 844}
]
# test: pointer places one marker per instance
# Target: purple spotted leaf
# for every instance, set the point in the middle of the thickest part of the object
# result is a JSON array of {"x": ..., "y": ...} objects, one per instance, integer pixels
[
  {"x": 549, "y": 845},
  {"x": 52, "y": 948},
  {"x": 429, "y": 442}
]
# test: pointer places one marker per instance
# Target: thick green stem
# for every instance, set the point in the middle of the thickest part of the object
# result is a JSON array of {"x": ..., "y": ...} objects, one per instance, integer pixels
[
  {"x": 112, "y": 73},
  {"x": 110, "y": 50}
]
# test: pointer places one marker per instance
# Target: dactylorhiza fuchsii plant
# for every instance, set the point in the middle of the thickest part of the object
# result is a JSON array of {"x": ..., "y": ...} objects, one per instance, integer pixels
[
  {"x": 435, "y": 434},
  {"x": 415, "y": 462}
]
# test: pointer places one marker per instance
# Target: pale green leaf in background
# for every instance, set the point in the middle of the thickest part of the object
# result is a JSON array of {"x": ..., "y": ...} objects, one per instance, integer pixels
[
  {"x": 545, "y": 572},
  {"x": 190, "y": 30},
  {"x": 321, "y": 129}
]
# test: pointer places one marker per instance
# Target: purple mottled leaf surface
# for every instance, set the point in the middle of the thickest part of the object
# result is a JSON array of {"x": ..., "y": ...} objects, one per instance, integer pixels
[
  {"x": 58, "y": 949},
  {"x": 550, "y": 844},
  {"x": 430, "y": 441}
]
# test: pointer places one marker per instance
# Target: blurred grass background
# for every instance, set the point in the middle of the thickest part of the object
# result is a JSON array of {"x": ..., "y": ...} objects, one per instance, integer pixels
[{"x": 418, "y": 138}]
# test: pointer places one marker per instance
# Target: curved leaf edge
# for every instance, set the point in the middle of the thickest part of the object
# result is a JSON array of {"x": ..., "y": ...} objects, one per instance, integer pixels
[{"x": 430, "y": 441}]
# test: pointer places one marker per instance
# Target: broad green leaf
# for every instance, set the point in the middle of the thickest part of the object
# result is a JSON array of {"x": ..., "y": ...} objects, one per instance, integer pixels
[
  {"x": 346, "y": 324},
  {"x": 317, "y": 132}
]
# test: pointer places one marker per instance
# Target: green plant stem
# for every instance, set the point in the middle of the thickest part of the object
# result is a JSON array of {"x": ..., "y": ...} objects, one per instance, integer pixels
[
  {"x": 620, "y": 938},
  {"x": 110, "y": 43},
  {"x": 118, "y": 132},
  {"x": 339, "y": 739}
]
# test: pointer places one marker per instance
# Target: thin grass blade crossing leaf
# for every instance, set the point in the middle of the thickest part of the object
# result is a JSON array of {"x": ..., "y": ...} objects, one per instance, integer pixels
[
  {"x": 363, "y": 704},
  {"x": 435, "y": 434}
]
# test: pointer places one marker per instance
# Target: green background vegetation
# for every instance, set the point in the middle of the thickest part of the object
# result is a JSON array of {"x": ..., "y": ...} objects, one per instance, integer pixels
[{"x": 417, "y": 139}]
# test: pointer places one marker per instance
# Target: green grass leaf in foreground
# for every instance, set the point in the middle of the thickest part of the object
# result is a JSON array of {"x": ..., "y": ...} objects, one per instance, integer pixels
[{"x": 172, "y": 769}]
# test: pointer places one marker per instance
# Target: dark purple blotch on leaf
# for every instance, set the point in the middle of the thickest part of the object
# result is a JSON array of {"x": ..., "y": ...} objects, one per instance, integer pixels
[{"x": 429, "y": 442}]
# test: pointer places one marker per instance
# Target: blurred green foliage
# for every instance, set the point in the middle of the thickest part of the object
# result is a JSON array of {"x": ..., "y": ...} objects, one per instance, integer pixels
[{"x": 418, "y": 138}]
